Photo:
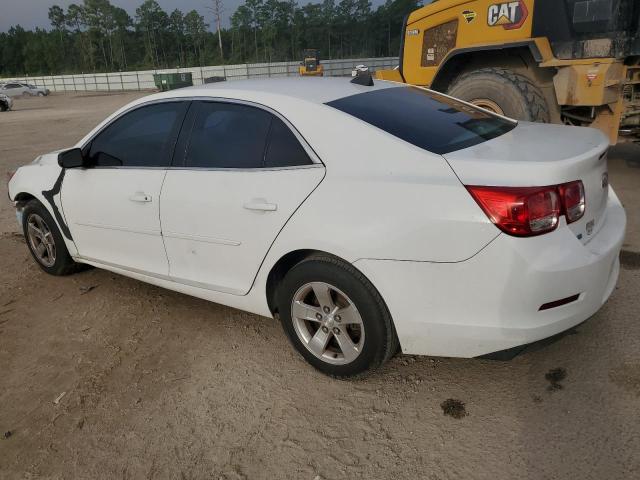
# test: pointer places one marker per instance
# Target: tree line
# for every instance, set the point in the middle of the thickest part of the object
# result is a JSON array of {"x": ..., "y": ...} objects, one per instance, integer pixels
[{"x": 96, "y": 36}]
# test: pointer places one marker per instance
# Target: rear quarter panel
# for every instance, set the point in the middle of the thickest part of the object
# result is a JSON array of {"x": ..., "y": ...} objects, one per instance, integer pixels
[{"x": 381, "y": 198}]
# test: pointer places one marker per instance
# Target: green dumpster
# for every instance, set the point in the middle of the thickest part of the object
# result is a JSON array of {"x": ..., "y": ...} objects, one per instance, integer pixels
[{"x": 171, "y": 81}]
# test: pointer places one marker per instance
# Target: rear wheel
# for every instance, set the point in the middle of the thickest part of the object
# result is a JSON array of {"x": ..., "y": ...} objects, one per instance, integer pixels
[
  {"x": 335, "y": 317},
  {"x": 45, "y": 241},
  {"x": 504, "y": 92}
]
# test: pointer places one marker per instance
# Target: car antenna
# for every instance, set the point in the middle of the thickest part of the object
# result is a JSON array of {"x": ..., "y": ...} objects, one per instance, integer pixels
[{"x": 362, "y": 76}]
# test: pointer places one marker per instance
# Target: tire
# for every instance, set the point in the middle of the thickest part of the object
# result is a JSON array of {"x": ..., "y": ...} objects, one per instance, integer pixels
[
  {"x": 62, "y": 263},
  {"x": 41, "y": 94},
  {"x": 513, "y": 93},
  {"x": 3, "y": 107},
  {"x": 375, "y": 334}
]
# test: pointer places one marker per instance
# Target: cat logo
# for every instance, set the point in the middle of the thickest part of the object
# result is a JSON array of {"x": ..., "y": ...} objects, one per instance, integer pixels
[
  {"x": 469, "y": 15},
  {"x": 508, "y": 15}
]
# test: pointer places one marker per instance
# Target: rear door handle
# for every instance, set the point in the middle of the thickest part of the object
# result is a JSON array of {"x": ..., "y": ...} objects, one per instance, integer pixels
[
  {"x": 140, "y": 197},
  {"x": 261, "y": 205}
]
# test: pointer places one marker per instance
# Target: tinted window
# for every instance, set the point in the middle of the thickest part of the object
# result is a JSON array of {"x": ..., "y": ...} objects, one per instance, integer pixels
[
  {"x": 284, "y": 149},
  {"x": 141, "y": 138},
  {"x": 227, "y": 135},
  {"x": 425, "y": 119}
]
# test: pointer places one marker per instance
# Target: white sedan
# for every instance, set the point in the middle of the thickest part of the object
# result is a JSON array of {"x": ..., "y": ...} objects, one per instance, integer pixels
[
  {"x": 368, "y": 218},
  {"x": 14, "y": 89}
]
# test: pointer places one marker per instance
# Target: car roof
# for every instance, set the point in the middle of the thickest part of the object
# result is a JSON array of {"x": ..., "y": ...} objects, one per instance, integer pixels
[{"x": 316, "y": 90}]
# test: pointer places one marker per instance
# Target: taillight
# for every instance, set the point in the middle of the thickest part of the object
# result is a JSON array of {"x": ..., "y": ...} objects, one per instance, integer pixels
[
  {"x": 572, "y": 200},
  {"x": 522, "y": 212},
  {"x": 529, "y": 211}
]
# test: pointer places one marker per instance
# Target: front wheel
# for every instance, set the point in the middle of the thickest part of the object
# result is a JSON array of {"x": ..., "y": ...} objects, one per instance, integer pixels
[
  {"x": 45, "y": 241},
  {"x": 335, "y": 318}
]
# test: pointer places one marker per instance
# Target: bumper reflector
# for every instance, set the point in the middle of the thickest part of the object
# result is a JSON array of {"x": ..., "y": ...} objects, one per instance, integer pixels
[{"x": 559, "y": 303}]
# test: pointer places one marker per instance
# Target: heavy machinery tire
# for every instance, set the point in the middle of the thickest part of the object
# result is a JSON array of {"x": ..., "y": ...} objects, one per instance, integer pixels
[{"x": 502, "y": 91}]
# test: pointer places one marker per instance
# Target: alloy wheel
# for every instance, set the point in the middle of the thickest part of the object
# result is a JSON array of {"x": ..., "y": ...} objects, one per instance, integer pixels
[
  {"x": 327, "y": 323},
  {"x": 41, "y": 240}
]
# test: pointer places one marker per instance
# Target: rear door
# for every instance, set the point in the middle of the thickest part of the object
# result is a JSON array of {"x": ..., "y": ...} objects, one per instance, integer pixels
[{"x": 240, "y": 171}]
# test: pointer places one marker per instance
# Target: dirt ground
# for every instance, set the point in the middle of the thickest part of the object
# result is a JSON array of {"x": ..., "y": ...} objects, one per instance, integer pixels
[{"x": 154, "y": 384}]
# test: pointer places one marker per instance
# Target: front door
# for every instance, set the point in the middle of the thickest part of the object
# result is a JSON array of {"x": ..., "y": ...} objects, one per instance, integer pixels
[
  {"x": 113, "y": 207},
  {"x": 242, "y": 175}
]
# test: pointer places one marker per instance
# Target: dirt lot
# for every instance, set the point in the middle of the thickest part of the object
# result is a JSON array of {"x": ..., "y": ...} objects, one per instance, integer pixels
[{"x": 161, "y": 385}]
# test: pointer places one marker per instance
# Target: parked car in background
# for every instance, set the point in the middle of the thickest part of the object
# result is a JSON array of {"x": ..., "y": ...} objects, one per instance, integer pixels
[
  {"x": 14, "y": 89},
  {"x": 366, "y": 217},
  {"x": 5, "y": 103}
]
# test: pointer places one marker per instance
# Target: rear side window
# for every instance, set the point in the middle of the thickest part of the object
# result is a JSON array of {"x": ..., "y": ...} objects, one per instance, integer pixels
[
  {"x": 230, "y": 135},
  {"x": 140, "y": 138},
  {"x": 284, "y": 149},
  {"x": 423, "y": 118},
  {"x": 227, "y": 135}
]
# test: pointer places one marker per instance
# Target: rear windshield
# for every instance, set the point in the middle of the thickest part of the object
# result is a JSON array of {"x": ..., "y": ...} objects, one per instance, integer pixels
[{"x": 424, "y": 118}]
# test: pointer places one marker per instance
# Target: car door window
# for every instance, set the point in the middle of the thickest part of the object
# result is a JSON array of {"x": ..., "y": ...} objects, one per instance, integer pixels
[
  {"x": 284, "y": 149},
  {"x": 228, "y": 135},
  {"x": 141, "y": 138}
]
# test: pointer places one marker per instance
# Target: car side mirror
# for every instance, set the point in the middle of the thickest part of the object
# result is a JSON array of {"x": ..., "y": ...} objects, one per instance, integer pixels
[{"x": 72, "y": 159}]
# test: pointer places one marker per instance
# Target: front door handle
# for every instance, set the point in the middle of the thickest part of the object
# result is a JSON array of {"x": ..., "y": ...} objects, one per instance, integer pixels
[
  {"x": 261, "y": 205},
  {"x": 140, "y": 197}
]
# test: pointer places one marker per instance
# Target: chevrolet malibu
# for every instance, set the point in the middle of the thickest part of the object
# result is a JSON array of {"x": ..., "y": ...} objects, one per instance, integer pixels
[{"x": 367, "y": 218}]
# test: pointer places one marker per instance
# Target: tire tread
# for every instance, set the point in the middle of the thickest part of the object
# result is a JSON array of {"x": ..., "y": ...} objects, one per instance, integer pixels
[{"x": 536, "y": 103}]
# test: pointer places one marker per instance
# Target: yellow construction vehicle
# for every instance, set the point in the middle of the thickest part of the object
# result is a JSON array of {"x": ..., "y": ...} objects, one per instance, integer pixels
[
  {"x": 564, "y": 61},
  {"x": 310, "y": 66}
]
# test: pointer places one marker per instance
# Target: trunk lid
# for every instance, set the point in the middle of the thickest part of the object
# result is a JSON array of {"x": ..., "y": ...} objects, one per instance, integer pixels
[{"x": 534, "y": 154}]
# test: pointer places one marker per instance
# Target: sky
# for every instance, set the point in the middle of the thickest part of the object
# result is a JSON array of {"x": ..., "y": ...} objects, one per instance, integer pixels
[{"x": 34, "y": 13}]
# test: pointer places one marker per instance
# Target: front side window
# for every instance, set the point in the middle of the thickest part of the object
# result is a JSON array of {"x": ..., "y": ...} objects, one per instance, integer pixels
[
  {"x": 426, "y": 119},
  {"x": 141, "y": 138},
  {"x": 230, "y": 135}
]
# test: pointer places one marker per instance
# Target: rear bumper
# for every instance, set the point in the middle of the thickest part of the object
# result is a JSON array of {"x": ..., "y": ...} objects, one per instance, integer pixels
[{"x": 492, "y": 301}]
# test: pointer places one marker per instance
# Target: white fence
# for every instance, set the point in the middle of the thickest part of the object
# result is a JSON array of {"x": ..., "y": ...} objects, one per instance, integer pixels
[{"x": 143, "y": 80}]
